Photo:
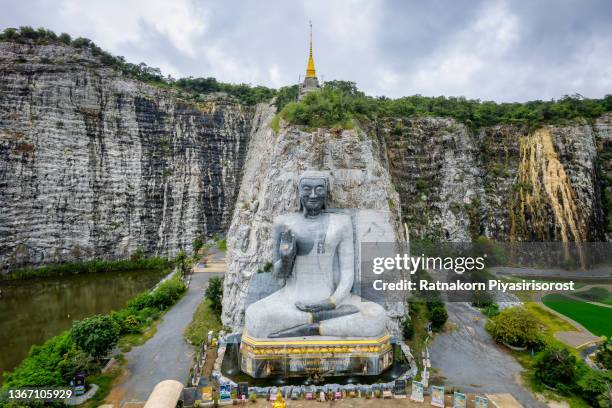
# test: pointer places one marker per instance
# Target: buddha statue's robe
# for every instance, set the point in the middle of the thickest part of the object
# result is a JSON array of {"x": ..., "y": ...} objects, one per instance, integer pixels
[{"x": 323, "y": 270}]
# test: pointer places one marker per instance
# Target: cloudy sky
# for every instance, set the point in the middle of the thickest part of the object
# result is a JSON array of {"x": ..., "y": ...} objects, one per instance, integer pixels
[{"x": 499, "y": 50}]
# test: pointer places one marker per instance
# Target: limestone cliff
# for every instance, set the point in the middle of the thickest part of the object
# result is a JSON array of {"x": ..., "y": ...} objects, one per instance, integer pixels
[
  {"x": 94, "y": 164},
  {"x": 274, "y": 161},
  {"x": 504, "y": 182}
]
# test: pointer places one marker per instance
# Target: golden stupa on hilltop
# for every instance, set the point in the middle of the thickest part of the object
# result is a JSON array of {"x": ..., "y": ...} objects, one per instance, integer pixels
[
  {"x": 311, "y": 82},
  {"x": 310, "y": 67}
]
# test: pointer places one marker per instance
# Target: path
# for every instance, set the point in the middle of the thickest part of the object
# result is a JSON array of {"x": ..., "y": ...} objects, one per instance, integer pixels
[
  {"x": 470, "y": 360},
  {"x": 166, "y": 355}
]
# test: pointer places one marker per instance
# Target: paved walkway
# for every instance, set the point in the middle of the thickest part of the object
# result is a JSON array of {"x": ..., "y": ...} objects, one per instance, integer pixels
[
  {"x": 469, "y": 359},
  {"x": 165, "y": 356}
]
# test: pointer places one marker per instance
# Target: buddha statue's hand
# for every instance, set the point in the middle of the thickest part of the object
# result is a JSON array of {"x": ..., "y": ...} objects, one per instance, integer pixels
[
  {"x": 315, "y": 307},
  {"x": 287, "y": 247}
]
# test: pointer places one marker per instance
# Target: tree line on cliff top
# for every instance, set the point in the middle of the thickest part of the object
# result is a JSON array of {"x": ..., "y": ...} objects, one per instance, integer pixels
[{"x": 338, "y": 103}]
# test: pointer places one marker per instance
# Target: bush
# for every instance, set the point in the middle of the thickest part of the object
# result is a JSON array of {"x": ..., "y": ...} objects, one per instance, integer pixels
[
  {"x": 556, "y": 367},
  {"x": 407, "y": 328},
  {"x": 604, "y": 354},
  {"x": 482, "y": 299},
  {"x": 491, "y": 310},
  {"x": 141, "y": 301},
  {"x": 96, "y": 335},
  {"x": 76, "y": 361},
  {"x": 214, "y": 293},
  {"x": 167, "y": 293},
  {"x": 594, "y": 387},
  {"x": 515, "y": 326},
  {"x": 438, "y": 317},
  {"x": 42, "y": 365}
]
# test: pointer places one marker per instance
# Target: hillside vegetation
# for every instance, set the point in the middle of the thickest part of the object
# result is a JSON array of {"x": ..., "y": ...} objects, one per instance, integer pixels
[{"x": 339, "y": 103}]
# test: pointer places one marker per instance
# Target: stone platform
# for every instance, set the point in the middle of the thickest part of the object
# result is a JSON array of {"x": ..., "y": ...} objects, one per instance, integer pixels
[{"x": 317, "y": 355}]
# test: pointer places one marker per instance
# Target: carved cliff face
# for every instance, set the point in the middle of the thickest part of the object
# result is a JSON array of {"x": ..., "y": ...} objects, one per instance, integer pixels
[{"x": 313, "y": 194}]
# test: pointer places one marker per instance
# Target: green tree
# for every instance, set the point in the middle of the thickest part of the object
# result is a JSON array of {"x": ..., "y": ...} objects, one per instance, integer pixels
[
  {"x": 96, "y": 335},
  {"x": 214, "y": 293},
  {"x": 604, "y": 354},
  {"x": 438, "y": 317},
  {"x": 596, "y": 388},
  {"x": 514, "y": 326},
  {"x": 556, "y": 367}
]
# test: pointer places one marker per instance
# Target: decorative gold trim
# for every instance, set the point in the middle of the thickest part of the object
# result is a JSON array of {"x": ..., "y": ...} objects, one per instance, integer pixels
[{"x": 252, "y": 342}]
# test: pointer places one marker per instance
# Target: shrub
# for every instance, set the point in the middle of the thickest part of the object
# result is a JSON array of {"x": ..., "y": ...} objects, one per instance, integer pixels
[
  {"x": 438, "y": 317},
  {"x": 604, "y": 354},
  {"x": 167, "y": 293},
  {"x": 556, "y": 367},
  {"x": 595, "y": 388},
  {"x": 514, "y": 326},
  {"x": 42, "y": 365},
  {"x": 214, "y": 293},
  {"x": 141, "y": 301},
  {"x": 491, "y": 310},
  {"x": 407, "y": 328},
  {"x": 76, "y": 361},
  {"x": 96, "y": 335},
  {"x": 482, "y": 299},
  {"x": 198, "y": 243}
]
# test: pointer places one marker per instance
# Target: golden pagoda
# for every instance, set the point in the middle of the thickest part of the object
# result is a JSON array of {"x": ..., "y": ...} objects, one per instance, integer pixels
[
  {"x": 310, "y": 81},
  {"x": 310, "y": 68}
]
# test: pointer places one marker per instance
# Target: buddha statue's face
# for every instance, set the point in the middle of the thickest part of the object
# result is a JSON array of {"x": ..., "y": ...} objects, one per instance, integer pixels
[{"x": 313, "y": 194}]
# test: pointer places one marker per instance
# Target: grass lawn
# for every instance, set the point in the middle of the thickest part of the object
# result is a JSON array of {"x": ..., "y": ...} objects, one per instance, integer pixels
[
  {"x": 204, "y": 319},
  {"x": 596, "y": 319},
  {"x": 596, "y": 294}
]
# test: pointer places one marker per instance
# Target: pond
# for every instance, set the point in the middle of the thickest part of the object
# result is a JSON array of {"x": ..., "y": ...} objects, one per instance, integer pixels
[{"x": 34, "y": 310}]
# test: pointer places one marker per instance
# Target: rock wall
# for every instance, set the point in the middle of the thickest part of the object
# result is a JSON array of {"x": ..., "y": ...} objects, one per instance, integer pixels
[
  {"x": 269, "y": 188},
  {"x": 504, "y": 182},
  {"x": 94, "y": 164}
]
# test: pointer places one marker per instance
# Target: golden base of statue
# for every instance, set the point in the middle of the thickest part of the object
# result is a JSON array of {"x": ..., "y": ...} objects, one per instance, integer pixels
[{"x": 314, "y": 355}]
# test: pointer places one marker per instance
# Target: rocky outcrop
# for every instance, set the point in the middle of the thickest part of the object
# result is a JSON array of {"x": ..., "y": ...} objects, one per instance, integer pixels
[
  {"x": 97, "y": 165},
  {"x": 94, "y": 164},
  {"x": 504, "y": 182},
  {"x": 269, "y": 188}
]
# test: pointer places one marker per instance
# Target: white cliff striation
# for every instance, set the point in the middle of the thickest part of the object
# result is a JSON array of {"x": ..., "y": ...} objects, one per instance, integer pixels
[{"x": 97, "y": 165}]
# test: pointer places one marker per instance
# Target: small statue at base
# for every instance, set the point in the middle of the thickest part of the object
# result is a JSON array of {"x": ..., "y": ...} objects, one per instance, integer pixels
[{"x": 279, "y": 402}]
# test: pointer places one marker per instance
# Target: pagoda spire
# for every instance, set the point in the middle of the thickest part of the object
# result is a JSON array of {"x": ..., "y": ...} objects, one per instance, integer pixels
[{"x": 310, "y": 67}]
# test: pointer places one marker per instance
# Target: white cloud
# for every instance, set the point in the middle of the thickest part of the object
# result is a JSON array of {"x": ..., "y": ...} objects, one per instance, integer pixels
[{"x": 120, "y": 21}]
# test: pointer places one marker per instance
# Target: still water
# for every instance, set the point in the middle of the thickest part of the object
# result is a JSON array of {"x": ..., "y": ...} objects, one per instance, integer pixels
[{"x": 33, "y": 310}]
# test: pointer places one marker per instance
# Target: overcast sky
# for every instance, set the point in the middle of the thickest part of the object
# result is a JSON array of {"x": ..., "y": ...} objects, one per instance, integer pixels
[{"x": 490, "y": 50}]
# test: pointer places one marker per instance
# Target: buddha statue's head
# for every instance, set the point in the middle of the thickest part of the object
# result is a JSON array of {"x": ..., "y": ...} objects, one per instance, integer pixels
[{"x": 313, "y": 191}]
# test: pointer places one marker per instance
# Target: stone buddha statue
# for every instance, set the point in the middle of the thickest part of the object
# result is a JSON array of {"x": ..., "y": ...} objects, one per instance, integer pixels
[{"x": 314, "y": 254}]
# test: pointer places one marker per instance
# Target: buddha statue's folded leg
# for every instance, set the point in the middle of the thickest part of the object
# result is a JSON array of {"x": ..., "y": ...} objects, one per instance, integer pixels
[
  {"x": 370, "y": 321},
  {"x": 273, "y": 314}
]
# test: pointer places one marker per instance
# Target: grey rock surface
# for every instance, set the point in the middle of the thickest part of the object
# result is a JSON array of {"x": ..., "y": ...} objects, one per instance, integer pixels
[
  {"x": 94, "y": 164},
  {"x": 269, "y": 188},
  {"x": 456, "y": 184}
]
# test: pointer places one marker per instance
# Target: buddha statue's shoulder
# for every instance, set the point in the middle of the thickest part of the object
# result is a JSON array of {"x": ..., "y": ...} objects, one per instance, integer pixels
[{"x": 339, "y": 220}]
